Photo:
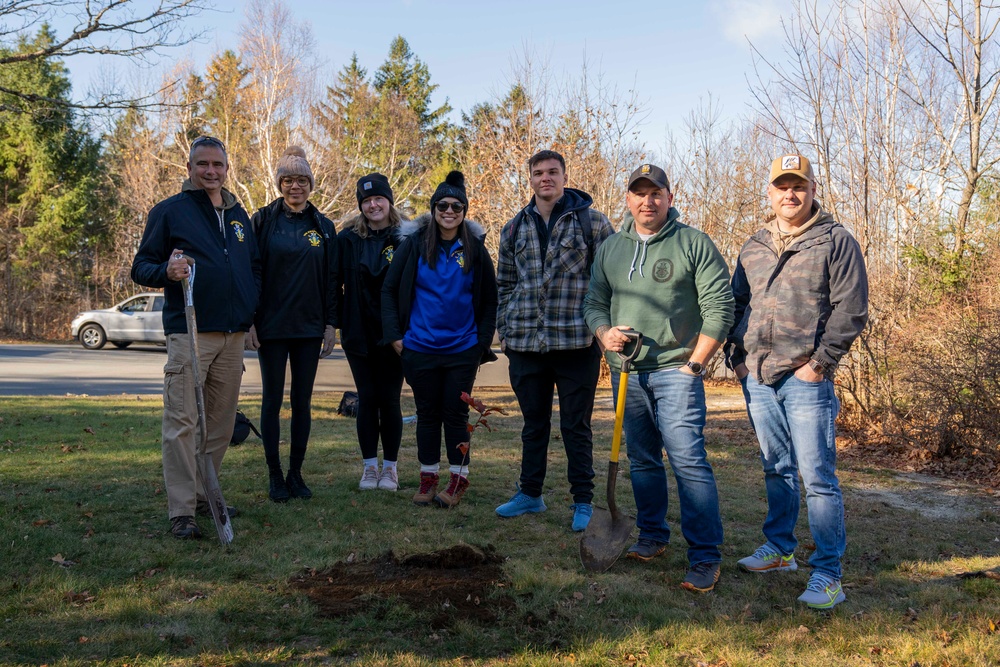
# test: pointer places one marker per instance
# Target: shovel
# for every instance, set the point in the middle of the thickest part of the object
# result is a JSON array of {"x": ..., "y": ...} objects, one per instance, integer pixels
[
  {"x": 206, "y": 469},
  {"x": 609, "y": 529}
]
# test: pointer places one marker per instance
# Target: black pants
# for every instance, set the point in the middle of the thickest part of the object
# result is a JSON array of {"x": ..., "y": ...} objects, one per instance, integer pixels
[
  {"x": 437, "y": 381},
  {"x": 379, "y": 379},
  {"x": 574, "y": 374},
  {"x": 303, "y": 356}
]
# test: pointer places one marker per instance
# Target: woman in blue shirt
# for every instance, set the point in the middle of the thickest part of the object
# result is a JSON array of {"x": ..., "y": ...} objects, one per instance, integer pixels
[{"x": 439, "y": 304}]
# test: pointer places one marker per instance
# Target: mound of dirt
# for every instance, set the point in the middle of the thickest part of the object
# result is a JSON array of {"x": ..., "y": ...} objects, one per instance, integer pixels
[{"x": 460, "y": 581}]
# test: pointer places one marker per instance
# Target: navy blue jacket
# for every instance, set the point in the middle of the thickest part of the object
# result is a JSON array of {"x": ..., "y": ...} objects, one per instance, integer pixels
[
  {"x": 227, "y": 262},
  {"x": 398, "y": 289}
]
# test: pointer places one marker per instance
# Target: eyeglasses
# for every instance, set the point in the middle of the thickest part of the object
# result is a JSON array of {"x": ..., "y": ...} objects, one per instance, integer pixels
[
  {"x": 289, "y": 181},
  {"x": 455, "y": 206},
  {"x": 207, "y": 141}
]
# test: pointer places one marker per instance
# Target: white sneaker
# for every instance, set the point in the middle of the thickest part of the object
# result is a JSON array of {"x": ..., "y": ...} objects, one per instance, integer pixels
[
  {"x": 369, "y": 480},
  {"x": 388, "y": 480}
]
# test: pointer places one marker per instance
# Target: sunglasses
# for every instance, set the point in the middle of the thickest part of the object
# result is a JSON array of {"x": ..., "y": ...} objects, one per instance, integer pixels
[
  {"x": 208, "y": 141},
  {"x": 289, "y": 181},
  {"x": 455, "y": 206}
]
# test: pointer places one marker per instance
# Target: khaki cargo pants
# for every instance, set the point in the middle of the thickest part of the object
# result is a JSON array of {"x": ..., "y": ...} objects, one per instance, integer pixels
[{"x": 221, "y": 365}]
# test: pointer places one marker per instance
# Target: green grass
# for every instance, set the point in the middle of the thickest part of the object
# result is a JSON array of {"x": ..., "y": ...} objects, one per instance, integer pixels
[{"x": 80, "y": 480}]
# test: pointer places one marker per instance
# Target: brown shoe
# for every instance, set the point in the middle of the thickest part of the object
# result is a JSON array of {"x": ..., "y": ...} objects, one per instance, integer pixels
[
  {"x": 453, "y": 494},
  {"x": 184, "y": 528},
  {"x": 428, "y": 487}
]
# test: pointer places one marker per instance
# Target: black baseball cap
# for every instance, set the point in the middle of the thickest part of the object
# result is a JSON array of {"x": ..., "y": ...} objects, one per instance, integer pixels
[{"x": 651, "y": 173}]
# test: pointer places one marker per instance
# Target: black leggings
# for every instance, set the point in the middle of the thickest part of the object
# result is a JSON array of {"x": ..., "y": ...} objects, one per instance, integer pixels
[
  {"x": 437, "y": 381},
  {"x": 303, "y": 355},
  {"x": 379, "y": 379}
]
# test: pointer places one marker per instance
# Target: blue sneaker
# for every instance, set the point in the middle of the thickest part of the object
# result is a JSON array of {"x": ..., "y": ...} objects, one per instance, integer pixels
[
  {"x": 521, "y": 504},
  {"x": 581, "y": 516}
]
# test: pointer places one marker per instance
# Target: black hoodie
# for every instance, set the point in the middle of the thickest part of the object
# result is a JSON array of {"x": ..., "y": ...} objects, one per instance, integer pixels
[{"x": 227, "y": 264}]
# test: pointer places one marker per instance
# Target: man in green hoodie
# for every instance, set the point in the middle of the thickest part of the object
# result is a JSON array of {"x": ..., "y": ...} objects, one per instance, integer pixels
[{"x": 670, "y": 282}]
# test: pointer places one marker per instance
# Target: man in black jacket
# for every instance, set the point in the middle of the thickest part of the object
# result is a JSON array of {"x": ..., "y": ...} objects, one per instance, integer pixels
[{"x": 206, "y": 223}]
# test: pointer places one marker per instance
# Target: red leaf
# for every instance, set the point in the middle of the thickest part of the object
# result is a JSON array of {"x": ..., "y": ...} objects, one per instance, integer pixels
[
  {"x": 470, "y": 428},
  {"x": 464, "y": 448}
]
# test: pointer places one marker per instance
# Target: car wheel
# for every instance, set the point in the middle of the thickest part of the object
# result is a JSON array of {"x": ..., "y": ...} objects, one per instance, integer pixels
[
  {"x": 92, "y": 337},
  {"x": 121, "y": 344}
]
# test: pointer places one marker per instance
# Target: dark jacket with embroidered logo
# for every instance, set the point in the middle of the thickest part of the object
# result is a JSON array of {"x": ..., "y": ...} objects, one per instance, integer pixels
[
  {"x": 810, "y": 302},
  {"x": 398, "y": 290},
  {"x": 298, "y": 251},
  {"x": 227, "y": 263},
  {"x": 541, "y": 293},
  {"x": 360, "y": 273}
]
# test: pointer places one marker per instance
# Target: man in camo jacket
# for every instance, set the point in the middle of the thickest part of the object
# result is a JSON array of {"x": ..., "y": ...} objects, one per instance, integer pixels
[{"x": 801, "y": 295}]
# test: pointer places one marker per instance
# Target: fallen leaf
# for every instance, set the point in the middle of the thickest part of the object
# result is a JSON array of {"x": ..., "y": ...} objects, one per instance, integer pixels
[
  {"x": 578, "y": 595},
  {"x": 42, "y": 522},
  {"x": 89, "y": 430}
]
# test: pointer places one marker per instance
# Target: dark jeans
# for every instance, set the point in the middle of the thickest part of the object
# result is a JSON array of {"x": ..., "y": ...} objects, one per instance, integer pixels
[
  {"x": 303, "y": 356},
  {"x": 437, "y": 381},
  {"x": 379, "y": 379},
  {"x": 573, "y": 373}
]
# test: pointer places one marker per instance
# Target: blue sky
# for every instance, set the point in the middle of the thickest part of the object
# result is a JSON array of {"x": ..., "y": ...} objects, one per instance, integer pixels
[{"x": 673, "y": 53}]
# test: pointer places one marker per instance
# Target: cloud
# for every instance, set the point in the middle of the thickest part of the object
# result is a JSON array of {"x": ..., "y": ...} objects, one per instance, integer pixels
[{"x": 756, "y": 20}]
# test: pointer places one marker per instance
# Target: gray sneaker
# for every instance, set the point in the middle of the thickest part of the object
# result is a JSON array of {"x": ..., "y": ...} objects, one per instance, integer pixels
[
  {"x": 646, "y": 550},
  {"x": 701, "y": 577},
  {"x": 768, "y": 559},
  {"x": 823, "y": 591},
  {"x": 369, "y": 479}
]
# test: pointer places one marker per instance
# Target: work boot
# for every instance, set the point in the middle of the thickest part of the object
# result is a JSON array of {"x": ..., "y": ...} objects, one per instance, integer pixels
[
  {"x": 453, "y": 494},
  {"x": 428, "y": 488},
  {"x": 278, "y": 490},
  {"x": 184, "y": 528},
  {"x": 296, "y": 487}
]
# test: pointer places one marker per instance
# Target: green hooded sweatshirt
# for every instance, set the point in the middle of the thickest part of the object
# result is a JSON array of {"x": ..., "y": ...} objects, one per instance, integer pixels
[{"x": 671, "y": 288}]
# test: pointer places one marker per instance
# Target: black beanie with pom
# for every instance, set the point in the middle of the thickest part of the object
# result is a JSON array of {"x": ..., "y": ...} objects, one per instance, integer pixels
[{"x": 453, "y": 186}]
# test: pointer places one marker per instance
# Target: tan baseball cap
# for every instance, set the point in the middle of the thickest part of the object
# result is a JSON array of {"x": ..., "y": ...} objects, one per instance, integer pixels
[{"x": 792, "y": 164}]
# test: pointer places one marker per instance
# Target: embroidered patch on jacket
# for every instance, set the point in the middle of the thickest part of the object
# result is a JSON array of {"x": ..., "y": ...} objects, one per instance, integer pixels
[
  {"x": 791, "y": 162},
  {"x": 388, "y": 253},
  {"x": 663, "y": 270},
  {"x": 459, "y": 256},
  {"x": 238, "y": 229},
  {"x": 313, "y": 237}
]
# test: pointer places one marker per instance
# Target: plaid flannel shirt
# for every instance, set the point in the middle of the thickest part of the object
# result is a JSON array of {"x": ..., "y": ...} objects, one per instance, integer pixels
[{"x": 539, "y": 306}]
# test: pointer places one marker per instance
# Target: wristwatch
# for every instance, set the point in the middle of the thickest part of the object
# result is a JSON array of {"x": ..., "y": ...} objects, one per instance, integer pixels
[
  {"x": 696, "y": 368},
  {"x": 817, "y": 367}
]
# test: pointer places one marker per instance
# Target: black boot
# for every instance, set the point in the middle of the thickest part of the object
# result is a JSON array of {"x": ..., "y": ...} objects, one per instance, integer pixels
[
  {"x": 296, "y": 486},
  {"x": 279, "y": 490}
]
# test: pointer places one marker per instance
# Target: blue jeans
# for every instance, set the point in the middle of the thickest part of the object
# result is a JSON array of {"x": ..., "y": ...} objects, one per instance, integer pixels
[
  {"x": 794, "y": 421},
  {"x": 666, "y": 410}
]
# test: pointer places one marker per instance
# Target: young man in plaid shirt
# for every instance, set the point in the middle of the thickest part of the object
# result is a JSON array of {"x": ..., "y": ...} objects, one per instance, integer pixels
[{"x": 546, "y": 251}]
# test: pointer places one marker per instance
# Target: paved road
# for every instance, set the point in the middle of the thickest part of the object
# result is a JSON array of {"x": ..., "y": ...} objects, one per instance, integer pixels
[{"x": 57, "y": 370}]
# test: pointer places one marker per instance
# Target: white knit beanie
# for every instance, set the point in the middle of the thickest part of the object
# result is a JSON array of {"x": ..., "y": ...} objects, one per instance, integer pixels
[{"x": 293, "y": 163}]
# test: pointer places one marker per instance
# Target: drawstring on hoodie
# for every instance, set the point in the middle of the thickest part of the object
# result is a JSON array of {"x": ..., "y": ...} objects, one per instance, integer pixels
[{"x": 642, "y": 259}]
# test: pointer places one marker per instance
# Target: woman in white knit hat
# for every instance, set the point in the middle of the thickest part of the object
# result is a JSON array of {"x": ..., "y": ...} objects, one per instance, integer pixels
[{"x": 295, "y": 316}]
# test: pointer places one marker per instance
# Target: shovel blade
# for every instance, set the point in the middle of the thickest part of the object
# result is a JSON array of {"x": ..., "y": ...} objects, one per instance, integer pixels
[
  {"x": 605, "y": 537},
  {"x": 220, "y": 514}
]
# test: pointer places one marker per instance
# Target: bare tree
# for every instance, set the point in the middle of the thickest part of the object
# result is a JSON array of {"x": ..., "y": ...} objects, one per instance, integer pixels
[{"x": 100, "y": 27}]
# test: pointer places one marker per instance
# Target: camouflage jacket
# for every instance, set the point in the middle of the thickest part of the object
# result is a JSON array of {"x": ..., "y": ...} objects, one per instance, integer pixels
[{"x": 809, "y": 303}]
